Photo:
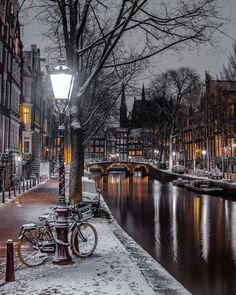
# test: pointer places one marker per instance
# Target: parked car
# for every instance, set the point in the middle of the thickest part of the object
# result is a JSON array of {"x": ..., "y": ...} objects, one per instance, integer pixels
[
  {"x": 215, "y": 173},
  {"x": 90, "y": 193},
  {"x": 178, "y": 169}
]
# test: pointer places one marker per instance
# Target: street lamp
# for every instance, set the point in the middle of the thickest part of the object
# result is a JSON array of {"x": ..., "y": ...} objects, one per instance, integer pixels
[
  {"x": 62, "y": 79},
  {"x": 174, "y": 154},
  {"x": 156, "y": 152},
  {"x": 203, "y": 155}
]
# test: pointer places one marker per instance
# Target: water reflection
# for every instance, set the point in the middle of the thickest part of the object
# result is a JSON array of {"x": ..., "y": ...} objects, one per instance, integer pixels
[
  {"x": 205, "y": 230},
  {"x": 192, "y": 236}
]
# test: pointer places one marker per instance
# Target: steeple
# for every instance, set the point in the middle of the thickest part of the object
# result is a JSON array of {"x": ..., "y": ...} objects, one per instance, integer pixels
[
  {"x": 123, "y": 109},
  {"x": 143, "y": 93}
]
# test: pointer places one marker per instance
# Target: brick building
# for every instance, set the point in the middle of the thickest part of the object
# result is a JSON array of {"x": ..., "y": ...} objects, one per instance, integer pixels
[{"x": 211, "y": 140}]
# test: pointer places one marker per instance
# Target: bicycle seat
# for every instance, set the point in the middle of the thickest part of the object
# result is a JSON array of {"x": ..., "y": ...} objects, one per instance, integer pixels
[
  {"x": 45, "y": 216},
  {"x": 29, "y": 226}
]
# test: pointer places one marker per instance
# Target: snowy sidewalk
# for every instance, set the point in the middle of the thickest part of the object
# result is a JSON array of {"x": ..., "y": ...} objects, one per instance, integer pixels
[
  {"x": 111, "y": 270},
  {"x": 119, "y": 266}
]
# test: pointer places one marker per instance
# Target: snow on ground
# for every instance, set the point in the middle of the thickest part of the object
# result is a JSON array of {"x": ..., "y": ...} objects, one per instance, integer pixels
[{"x": 111, "y": 270}]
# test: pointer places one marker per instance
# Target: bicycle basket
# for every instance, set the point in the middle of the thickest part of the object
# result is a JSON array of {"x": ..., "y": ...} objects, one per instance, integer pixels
[{"x": 82, "y": 212}]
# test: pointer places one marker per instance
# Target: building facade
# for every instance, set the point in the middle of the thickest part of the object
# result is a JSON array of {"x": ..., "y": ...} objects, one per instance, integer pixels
[
  {"x": 37, "y": 116},
  {"x": 129, "y": 141},
  {"x": 210, "y": 141},
  {"x": 10, "y": 90}
]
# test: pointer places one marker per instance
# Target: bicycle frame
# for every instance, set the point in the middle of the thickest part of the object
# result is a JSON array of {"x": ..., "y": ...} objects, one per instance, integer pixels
[
  {"x": 38, "y": 243},
  {"x": 47, "y": 229}
]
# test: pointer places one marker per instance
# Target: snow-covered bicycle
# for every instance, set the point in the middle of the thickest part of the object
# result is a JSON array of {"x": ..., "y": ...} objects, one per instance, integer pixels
[{"x": 37, "y": 243}]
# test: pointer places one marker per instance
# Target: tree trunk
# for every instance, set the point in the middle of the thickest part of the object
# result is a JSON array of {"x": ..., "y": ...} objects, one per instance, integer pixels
[
  {"x": 208, "y": 156},
  {"x": 184, "y": 153},
  {"x": 194, "y": 156},
  {"x": 170, "y": 153},
  {"x": 77, "y": 166}
]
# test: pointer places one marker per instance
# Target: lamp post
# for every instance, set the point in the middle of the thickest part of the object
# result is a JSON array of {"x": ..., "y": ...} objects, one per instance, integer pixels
[
  {"x": 203, "y": 156},
  {"x": 62, "y": 79},
  {"x": 173, "y": 155},
  {"x": 156, "y": 152}
]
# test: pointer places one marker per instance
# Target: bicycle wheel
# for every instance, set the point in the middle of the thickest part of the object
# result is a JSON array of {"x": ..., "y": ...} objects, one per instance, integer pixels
[
  {"x": 84, "y": 240},
  {"x": 29, "y": 247}
]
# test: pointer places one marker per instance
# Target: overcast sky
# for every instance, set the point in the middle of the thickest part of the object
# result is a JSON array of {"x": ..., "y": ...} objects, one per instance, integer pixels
[{"x": 202, "y": 59}]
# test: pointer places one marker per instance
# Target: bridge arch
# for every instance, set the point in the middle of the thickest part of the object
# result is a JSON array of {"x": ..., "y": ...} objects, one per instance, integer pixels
[
  {"x": 125, "y": 166},
  {"x": 96, "y": 167},
  {"x": 144, "y": 169},
  {"x": 129, "y": 167}
]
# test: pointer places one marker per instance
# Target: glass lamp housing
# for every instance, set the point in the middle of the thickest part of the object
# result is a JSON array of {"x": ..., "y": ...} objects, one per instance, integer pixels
[{"x": 62, "y": 80}]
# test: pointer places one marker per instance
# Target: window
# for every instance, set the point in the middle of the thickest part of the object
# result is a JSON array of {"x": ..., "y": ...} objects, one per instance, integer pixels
[
  {"x": 9, "y": 63},
  {"x": 1, "y": 133},
  {"x": 4, "y": 93},
  {"x": 0, "y": 88},
  {"x": 17, "y": 46},
  {"x": 6, "y": 133},
  {"x": 1, "y": 52},
  {"x": 26, "y": 114},
  {"x": 5, "y": 60},
  {"x": 8, "y": 95},
  {"x": 26, "y": 146},
  {"x": 6, "y": 33},
  {"x": 37, "y": 118}
]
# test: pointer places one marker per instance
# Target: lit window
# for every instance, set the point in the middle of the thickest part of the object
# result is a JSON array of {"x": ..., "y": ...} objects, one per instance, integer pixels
[{"x": 26, "y": 114}]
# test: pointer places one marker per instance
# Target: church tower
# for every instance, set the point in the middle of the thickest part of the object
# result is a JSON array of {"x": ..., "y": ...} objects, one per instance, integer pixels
[{"x": 123, "y": 109}]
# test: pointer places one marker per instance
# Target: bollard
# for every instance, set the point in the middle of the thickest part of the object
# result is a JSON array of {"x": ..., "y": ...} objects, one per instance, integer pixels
[
  {"x": 27, "y": 185},
  {"x": 20, "y": 188},
  {"x": 30, "y": 183},
  {"x": 10, "y": 272},
  {"x": 23, "y": 185},
  {"x": 3, "y": 196},
  {"x": 9, "y": 192}
]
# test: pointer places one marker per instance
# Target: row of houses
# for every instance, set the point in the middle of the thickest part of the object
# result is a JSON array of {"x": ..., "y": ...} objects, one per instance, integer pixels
[
  {"x": 120, "y": 144},
  {"x": 206, "y": 138},
  {"x": 211, "y": 140},
  {"x": 130, "y": 141},
  {"x": 26, "y": 114}
]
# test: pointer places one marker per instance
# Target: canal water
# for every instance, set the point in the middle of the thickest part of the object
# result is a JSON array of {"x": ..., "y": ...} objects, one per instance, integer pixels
[{"x": 193, "y": 236}]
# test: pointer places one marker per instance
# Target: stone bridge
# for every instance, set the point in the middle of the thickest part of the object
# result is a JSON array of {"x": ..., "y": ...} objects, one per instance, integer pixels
[{"x": 129, "y": 167}]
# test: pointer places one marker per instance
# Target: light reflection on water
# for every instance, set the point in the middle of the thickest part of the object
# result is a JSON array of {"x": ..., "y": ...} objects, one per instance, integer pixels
[{"x": 192, "y": 236}]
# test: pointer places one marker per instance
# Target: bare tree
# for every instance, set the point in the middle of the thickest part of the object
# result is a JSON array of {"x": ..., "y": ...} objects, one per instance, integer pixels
[
  {"x": 107, "y": 35},
  {"x": 173, "y": 92},
  {"x": 229, "y": 70}
]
